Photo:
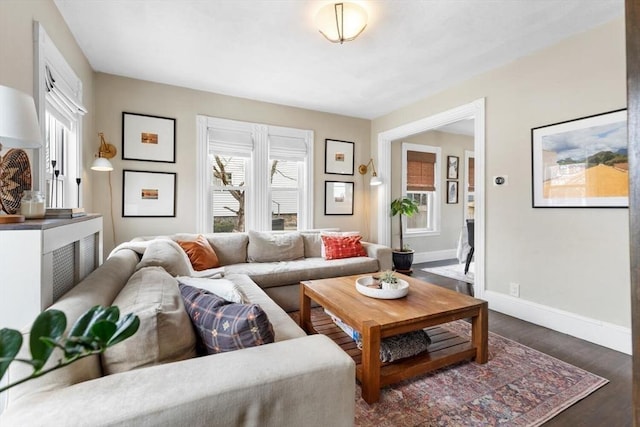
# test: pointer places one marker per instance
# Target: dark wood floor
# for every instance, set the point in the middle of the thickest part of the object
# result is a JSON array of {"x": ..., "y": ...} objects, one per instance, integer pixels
[{"x": 609, "y": 406}]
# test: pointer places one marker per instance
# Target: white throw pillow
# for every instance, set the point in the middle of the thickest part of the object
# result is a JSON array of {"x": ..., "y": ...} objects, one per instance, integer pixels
[
  {"x": 223, "y": 288},
  {"x": 336, "y": 234}
]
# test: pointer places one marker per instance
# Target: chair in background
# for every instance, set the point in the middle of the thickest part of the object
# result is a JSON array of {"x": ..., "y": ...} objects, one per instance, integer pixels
[{"x": 470, "y": 234}]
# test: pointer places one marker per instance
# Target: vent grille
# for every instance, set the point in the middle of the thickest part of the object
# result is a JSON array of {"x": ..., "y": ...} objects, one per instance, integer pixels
[{"x": 63, "y": 270}]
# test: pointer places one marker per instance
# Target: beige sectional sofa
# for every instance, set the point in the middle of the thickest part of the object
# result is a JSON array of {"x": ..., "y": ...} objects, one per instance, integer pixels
[
  {"x": 296, "y": 380},
  {"x": 278, "y": 268}
]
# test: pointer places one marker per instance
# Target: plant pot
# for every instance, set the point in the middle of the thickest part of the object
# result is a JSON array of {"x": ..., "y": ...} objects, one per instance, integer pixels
[{"x": 402, "y": 261}]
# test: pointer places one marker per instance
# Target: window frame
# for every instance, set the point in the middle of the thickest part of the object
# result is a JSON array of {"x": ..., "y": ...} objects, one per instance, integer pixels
[
  {"x": 437, "y": 207},
  {"x": 258, "y": 202},
  {"x": 47, "y": 58}
]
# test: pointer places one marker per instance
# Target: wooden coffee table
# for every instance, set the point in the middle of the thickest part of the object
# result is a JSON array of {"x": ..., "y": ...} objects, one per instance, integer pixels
[{"x": 425, "y": 305}]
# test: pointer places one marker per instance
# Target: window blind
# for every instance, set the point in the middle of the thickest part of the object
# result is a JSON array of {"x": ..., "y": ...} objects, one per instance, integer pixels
[
  {"x": 229, "y": 141},
  {"x": 287, "y": 148},
  {"x": 420, "y": 171},
  {"x": 61, "y": 94}
]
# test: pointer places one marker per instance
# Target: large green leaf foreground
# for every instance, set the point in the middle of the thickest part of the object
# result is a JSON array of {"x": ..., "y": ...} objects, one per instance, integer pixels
[{"x": 96, "y": 330}]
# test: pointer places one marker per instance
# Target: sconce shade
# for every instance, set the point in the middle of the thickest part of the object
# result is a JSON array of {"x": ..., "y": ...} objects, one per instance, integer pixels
[
  {"x": 105, "y": 152},
  {"x": 341, "y": 22},
  {"x": 363, "y": 169},
  {"x": 18, "y": 119},
  {"x": 101, "y": 164}
]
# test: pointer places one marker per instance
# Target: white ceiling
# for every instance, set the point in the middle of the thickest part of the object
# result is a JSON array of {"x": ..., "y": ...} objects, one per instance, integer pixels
[{"x": 269, "y": 50}]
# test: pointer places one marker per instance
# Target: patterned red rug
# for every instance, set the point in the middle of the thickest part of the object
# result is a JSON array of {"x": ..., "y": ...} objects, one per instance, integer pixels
[{"x": 519, "y": 386}]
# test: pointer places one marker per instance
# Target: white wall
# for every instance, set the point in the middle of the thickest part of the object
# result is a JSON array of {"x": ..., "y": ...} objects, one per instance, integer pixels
[
  {"x": 117, "y": 94},
  {"x": 572, "y": 260}
]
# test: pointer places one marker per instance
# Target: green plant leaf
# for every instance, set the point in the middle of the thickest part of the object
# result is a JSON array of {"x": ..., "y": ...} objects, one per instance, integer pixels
[
  {"x": 102, "y": 332},
  {"x": 126, "y": 327},
  {"x": 10, "y": 343},
  {"x": 50, "y": 324}
]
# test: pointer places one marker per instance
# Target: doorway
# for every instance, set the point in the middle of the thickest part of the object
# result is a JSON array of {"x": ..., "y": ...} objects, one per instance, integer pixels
[{"x": 474, "y": 110}]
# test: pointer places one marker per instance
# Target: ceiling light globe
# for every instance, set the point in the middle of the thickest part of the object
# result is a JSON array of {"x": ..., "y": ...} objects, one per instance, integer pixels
[{"x": 340, "y": 22}]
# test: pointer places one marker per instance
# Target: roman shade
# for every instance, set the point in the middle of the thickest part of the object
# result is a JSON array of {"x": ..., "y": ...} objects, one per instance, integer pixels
[
  {"x": 421, "y": 171},
  {"x": 287, "y": 148},
  {"x": 229, "y": 141}
]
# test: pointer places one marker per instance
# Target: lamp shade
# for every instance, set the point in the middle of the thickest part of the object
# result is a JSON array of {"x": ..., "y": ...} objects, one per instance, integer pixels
[
  {"x": 340, "y": 22},
  {"x": 18, "y": 119},
  {"x": 102, "y": 165},
  {"x": 375, "y": 180}
]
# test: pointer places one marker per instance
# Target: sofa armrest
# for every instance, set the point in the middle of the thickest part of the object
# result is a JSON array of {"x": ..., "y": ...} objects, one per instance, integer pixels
[
  {"x": 381, "y": 253},
  {"x": 306, "y": 381}
]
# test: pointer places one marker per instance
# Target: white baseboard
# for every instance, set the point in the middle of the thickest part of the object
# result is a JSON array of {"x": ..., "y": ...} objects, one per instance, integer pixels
[
  {"x": 598, "y": 332},
  {"x": 419, "y": 257}
]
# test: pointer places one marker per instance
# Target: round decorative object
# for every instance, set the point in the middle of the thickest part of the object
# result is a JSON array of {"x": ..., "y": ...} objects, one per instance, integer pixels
[
  {"x": 15, "y": 177},
  {"x": 367, "y": 285}
]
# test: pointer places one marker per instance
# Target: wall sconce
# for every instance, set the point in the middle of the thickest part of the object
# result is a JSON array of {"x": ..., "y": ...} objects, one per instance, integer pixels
[
  {"x": 341, "y": 22},
  {"x": 363, "y": 169},
  {"x": 105, "y": 152}
]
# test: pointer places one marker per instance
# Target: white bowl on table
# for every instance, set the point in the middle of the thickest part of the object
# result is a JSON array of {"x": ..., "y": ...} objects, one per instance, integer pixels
[{"x": 373, "y": 292}]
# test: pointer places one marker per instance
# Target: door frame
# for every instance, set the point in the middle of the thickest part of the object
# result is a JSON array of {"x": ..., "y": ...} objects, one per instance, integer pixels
[{"x": 474, "y": 110}]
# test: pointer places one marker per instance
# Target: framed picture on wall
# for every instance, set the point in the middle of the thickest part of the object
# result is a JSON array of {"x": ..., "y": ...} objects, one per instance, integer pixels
[
  {"x": 148, "y": 138},
  {"x": 148, "y": 194},
  {"x": 338, "y": 157},
  {"x": 338, "y": 198},
  {"x": 453, "y": 163},
  {"x": 452, "y": 192},
  {"x": 581, "y": 163}
]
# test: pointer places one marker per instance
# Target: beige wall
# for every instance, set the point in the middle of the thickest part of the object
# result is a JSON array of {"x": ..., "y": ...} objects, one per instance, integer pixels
[
  {"x": 451, "y": 215},
  {"x": 118, "y": 94},
  {"x": 16, "y": 63},
  {"x": 575, "y": 260}
]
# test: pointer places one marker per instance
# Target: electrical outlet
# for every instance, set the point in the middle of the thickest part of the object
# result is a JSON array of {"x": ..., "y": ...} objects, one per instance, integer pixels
[{"x": 514, "y": 289}]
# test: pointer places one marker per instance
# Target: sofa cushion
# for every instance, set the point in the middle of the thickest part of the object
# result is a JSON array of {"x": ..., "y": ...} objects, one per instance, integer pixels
[
  {"x": 337, "y": 247},
  {"x": 200, "y": 253},
  {"x": 269, "y": 274},
  {"x": 268, "y": 247},
  {"x": 223, "y": 288},
  {"x": 165, "y": 333},
  {"x": 323, "y": 249},
  {"x": 231, "y": 248},
  {"x": 172, "y": 258},
  {"x": 225, "y": 326},
  {"x": 312, "y": 244}
]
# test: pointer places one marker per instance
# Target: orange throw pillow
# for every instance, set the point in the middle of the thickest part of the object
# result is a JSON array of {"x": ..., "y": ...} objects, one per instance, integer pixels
[
  {"x": 343, "y": 247},
  {"x": 200, "y": 253}
]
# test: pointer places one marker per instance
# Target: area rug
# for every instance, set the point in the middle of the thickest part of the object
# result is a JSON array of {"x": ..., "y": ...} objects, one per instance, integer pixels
[
  {"x": 518, "y": 386},
  {"x": 454, "y": 271}
]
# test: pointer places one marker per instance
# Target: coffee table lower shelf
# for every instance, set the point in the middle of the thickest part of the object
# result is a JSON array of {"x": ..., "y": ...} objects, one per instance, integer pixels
[{"x": 446, "y": 348}]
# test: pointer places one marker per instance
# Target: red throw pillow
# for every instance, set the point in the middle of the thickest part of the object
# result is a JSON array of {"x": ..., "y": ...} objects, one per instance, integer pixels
[
  {"x": 343, "y": 247},
  {"x": 200, "y": 253}
]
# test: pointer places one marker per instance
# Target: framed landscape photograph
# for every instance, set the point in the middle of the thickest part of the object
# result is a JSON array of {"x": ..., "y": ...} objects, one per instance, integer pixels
[
  {"x": 148, "y": 138},
  {"x": 338, "y": 198},
  {"x": 453, "y": 163},
  {"x": 148, "y": 194},
  {"x": 452, "y": 192},
  {"x": 338, "y": 157},
  {"x": 581, "y": 163}
]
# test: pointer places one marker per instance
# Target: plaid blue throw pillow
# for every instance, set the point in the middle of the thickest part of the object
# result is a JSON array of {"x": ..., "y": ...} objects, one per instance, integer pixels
[{"x": 225, "y": 326}]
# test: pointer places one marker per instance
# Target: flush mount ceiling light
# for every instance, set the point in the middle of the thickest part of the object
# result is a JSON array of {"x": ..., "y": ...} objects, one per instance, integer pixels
[{"x": 341, "y": 22}]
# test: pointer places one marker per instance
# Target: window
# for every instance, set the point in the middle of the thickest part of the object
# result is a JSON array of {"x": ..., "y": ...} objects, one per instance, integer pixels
[
  {"x": 421, "y": 182},
  {"x": 255, "y": 176},
  {"x": 60, "y": 112}
]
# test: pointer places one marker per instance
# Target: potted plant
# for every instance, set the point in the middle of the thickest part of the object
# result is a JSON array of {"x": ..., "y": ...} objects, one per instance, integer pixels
[
  {"x": 388, "y": 280},
  {"x": 403, "y": 257}
]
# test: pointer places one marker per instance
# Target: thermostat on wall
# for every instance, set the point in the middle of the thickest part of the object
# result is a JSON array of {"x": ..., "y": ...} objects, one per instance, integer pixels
[{"x": 500, "y": 180}]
